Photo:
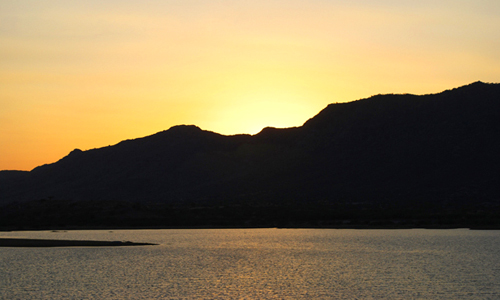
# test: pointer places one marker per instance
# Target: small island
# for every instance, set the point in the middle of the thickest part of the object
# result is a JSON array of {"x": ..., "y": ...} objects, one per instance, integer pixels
[{"x": 9, "y": 242}]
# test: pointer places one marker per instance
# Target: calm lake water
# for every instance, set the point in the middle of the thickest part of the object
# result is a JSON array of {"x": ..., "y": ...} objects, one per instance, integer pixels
[{"x": 258, "y": 264}]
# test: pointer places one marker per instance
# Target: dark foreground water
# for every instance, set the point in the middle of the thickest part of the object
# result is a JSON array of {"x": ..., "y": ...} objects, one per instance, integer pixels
[{"x": 258, "y": 264}]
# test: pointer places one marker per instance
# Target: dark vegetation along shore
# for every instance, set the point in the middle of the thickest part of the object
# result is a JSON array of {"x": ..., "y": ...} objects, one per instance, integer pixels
[{"x": 388, "y": 161}]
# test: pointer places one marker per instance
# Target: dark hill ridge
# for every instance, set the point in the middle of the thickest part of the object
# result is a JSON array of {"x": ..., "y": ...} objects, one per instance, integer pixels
[{"x": 386, "y": 159}]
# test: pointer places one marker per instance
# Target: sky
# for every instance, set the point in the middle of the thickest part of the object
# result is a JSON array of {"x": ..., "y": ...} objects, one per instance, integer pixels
[{"x": 88, "y": 74}]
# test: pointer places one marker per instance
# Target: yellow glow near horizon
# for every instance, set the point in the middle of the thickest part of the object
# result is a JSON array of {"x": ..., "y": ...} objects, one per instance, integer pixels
[{"x": 89, "y": 74}]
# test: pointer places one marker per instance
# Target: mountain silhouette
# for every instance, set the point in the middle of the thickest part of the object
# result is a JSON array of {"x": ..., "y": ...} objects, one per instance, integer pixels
[{"x": 388, "y": 159}]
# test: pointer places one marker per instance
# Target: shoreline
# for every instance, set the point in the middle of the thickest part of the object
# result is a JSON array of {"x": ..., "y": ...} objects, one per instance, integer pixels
[
  {"x": 346, "y": 226},
  {"x": 44, "y": 243}
]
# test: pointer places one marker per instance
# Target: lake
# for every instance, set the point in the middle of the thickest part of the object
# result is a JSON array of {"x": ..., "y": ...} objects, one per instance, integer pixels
[{"x": 257, "y": 264}]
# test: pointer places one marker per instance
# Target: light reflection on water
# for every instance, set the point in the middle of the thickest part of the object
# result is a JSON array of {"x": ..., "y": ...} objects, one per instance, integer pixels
[{"x": 258, "y": 264}]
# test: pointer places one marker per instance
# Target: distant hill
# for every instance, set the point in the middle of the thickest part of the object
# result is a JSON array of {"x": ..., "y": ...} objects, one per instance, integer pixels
[{"x": 388, "y": 160}]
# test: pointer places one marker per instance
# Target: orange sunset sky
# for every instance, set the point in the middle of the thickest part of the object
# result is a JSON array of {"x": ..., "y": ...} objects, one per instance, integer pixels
[{"x": 87, "y": 74}]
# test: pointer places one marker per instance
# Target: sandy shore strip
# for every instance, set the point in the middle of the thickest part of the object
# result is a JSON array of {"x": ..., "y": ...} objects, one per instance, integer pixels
[{"x": 7, "y": 242}]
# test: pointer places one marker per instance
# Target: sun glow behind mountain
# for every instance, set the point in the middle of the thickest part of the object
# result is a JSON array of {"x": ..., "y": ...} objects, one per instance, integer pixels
[{"x": 88, "y": 74}]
